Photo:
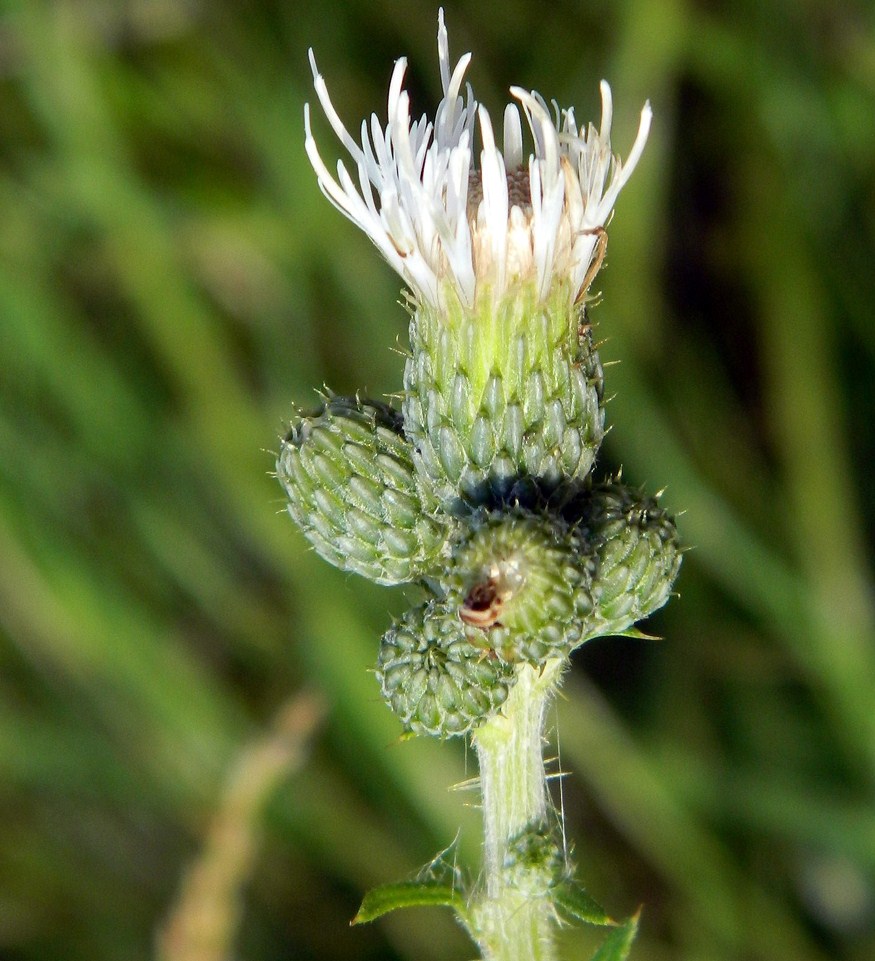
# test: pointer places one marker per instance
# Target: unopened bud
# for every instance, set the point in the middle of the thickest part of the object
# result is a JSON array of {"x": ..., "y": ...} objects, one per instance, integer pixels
[
  {"x": 434, "y": 679},
  {"x": 349, "y": 477}
]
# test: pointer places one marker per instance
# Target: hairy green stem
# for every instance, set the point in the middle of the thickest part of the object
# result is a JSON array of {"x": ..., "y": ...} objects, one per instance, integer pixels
[{"x": 514, "y": 919}]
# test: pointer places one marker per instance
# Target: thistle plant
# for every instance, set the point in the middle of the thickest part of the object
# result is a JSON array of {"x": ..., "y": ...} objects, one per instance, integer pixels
[{"x": 480, "y": 488}]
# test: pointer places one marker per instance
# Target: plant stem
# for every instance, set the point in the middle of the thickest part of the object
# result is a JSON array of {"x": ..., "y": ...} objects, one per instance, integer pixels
[{"x": 513, "y": 923}]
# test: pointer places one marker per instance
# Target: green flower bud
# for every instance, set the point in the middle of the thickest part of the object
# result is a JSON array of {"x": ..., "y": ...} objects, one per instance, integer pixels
[
  {"x": 433, "y": 679},
  {"x": 533, "y": 861},
  {"x": 636, "y": 548},
  {"x": 503, "y": 405},
  {"x": 349, "y": 477},
  {"x": 521, "y": 584}
]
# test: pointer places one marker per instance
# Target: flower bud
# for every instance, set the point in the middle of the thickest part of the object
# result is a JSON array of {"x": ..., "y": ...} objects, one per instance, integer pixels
[
  {"x": 433, "y": 679},
  {"x": 521, "y": 585},
  {"x": 348, "y": 474},
  {"x": 533, "y": 861},
  {"x": 637, "y": 553}
]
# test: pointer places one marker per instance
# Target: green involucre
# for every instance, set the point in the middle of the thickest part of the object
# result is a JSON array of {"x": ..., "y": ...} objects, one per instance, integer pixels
[
  {"x": 349, "y": 477},
  {"x": 521, "y": 581},
  {"x": 505, "y": 405},
  {"x": 635, "y": 545},
  {"x": 433, "y": 679},
  {"x": 534, "y": 863}
]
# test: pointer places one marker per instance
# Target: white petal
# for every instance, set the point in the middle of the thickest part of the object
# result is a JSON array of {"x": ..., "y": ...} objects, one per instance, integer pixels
[
  {"x": 623, "y": 172},
  {"x": 513, "y": 138},
  {"x": 494, "y": 208},
  {"x": 607, "y": 111},
  {"x": 329, "y": 111},
  {"x": 443, "y": 51}
]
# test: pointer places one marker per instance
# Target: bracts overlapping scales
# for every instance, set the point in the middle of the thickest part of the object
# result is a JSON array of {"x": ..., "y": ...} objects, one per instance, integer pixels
[
  {"x": 503, "y": 408},
  {"x": 521, "y": 584},
  {"x": 348, "y": 474},
  {"x": 635, "y": 545},
  {"x": 433, "y": 679}
]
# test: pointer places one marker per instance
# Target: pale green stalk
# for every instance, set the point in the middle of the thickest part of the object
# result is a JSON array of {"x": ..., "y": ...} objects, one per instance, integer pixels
[{"x": 514, "y": 922}]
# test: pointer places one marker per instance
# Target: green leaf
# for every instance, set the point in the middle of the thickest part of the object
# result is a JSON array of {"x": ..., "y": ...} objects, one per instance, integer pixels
[
  {"x": 576, "y": 903},
  {"x": 632, "y": 632},
  {"x": 619, "y": 942},
  {"x": 639, "y": 635},
  {"x": 409, "y": 894}
]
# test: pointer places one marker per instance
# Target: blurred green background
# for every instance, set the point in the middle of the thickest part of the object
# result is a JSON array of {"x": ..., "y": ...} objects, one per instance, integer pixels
[{"x": 171, "y": 280}]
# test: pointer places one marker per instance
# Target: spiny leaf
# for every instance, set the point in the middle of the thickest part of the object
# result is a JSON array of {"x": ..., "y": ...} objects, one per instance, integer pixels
[
  {"x": 576, "y": 903},
  {"x": 619, "y": 942},
  {"x": 409, "y": 894}
]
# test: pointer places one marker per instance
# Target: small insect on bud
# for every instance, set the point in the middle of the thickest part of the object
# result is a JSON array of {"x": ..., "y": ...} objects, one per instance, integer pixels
[
  {"x": 482, "y": 607},
  {"x": 520, "y": 580}
]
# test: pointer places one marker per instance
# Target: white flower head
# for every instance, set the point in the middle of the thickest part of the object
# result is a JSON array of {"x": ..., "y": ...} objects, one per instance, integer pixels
[{"x": 456, "y": 228}]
